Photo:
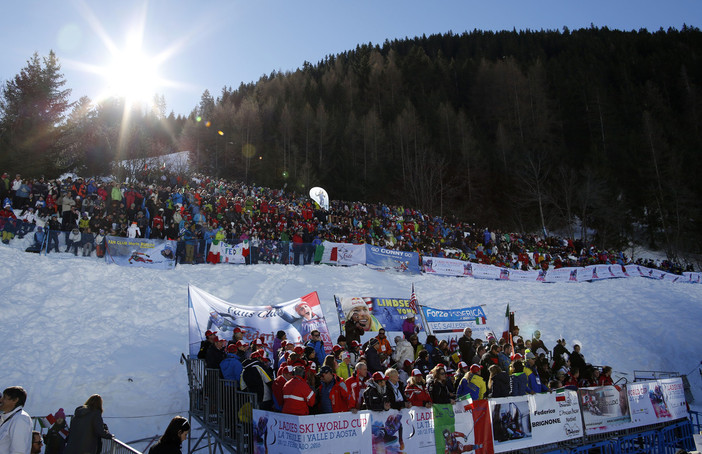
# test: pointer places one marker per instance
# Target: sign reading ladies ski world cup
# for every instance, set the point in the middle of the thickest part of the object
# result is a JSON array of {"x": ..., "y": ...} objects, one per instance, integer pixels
[{"x": 298, "y": 318}]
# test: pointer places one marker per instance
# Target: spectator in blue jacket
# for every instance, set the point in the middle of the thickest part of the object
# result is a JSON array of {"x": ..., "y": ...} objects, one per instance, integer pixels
[
  {"x": 231, "y": 365},
  {"x": 534, "y": 384},
  {"x": 317, "y": 344}
]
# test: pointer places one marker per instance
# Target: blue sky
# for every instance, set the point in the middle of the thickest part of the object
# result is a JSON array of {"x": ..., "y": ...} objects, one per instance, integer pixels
[{"x": 209, "y": 44}]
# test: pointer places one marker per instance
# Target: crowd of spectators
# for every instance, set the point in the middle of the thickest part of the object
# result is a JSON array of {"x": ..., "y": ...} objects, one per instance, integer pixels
[
  {"x": 280, "y": 226},
  {"x": 296, "y": 379}
]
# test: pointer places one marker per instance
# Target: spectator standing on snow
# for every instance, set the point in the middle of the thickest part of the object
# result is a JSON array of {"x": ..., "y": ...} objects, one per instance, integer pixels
[
  {"x": 87, "y": 427},
  {"x": 15, "y": 423},
  {"x": 172, "y": 439}
]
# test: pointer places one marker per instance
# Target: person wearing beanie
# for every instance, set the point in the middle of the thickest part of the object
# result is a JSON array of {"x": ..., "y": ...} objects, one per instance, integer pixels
[
  {"x": 55, "y": 437},
  {"x": 231, "y": 365}
]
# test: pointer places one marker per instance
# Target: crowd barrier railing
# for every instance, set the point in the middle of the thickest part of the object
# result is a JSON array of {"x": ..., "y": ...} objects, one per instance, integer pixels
[
  {"x": 109, "y": 445},
  {"x": 220, "y": 405}
]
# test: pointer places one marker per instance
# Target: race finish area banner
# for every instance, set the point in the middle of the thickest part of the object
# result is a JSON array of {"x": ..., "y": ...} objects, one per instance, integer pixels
[
  {"x": 375, "y": 313},
  {"x": 440, "y": 429},
  {"x": 450, "y": 323},
  {"x": 298, "y": 318},
  {"x": 140, "y": 252}
]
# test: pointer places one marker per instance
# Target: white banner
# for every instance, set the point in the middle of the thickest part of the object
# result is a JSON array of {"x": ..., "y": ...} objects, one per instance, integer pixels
[
  {"x": 446, "y": 267},
  {"x": 452, "y": 267},
  {"x": 343, "y": 253},
  {"x": 674, "y": 397},
  {"x": 539, "y": 419},
  {"x": 298, "y": 318}
]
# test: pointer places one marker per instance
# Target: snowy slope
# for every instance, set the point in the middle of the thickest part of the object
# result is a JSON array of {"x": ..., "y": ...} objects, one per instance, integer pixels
[{"x": 72, "y": 327}]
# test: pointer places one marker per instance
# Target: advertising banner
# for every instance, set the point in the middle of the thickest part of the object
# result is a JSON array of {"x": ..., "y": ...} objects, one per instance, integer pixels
[
  {"x": 522, "y": 422},
  {"x": 555, "y": 416},
  {"x": 389, "y": 259},
  {"x": 450, "y": 323},
  {"x": 511, "y": 423},
  {"x": 605, "y": 408},
  {"x": 646, "y": 402},
  {"x": 674, "y": 398},
  {"x": 343, "y": 253},
  {"x": 566, "y": 275},
  {"x": 298, "y": 318},
  {"x": 445, "y": 267},
  {"x": 277, "y": 433},
  {"x": 141, "y": 252}
]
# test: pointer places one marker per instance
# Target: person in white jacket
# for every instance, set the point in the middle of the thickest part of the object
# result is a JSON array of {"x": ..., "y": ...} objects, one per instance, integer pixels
[
  {"x": 133, "y": 231},
  {"x": 15, "y": 423},
  {"x": 403, "y": 351}
]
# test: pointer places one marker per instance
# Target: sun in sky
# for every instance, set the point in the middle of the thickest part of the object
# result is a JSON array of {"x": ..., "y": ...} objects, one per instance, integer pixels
[{"x": 132, "y": 74}]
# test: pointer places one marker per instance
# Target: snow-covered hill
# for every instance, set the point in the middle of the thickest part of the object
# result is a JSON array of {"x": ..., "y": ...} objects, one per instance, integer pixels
[{"x": 72, "y": 327}]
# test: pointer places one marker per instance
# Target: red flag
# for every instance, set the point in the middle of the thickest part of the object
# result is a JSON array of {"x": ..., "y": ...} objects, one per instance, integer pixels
[{"x": 413, "y": 301}]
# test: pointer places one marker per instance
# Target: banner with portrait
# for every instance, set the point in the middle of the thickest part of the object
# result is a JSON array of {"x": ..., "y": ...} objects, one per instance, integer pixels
[
  {"x": 298, "y": 318},
  {"x": 141, "y": 252},
  {"x": 373, "y": 313}
]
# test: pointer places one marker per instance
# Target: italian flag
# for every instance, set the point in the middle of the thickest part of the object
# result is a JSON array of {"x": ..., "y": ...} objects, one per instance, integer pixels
[
  {"x": 47, "y": 421},
  {"x": 466, "y": 401},
  {"x": 560, "y": 395},
  {"x": 480, "y": 320}
]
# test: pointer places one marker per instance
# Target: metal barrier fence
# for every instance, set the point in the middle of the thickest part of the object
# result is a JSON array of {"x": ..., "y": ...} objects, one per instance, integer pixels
[
  {"x": 109, "y": 445},
  {"x": 224, "y": 411},
  {"x": 114, "y": 446}
]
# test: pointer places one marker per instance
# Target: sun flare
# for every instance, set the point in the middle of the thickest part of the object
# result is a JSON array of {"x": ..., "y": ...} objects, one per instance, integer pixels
[{"x": 132, "y": 75}]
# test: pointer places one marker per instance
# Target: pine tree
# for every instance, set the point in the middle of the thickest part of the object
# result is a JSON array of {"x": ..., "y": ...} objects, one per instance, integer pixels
[{"x": 33, "y": 106}]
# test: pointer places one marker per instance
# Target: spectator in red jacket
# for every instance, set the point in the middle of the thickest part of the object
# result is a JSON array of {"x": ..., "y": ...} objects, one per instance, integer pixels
[
  {"x": 332, "y": 394},
  {"x": 416, "y": 391},
  {"x": 285, "y": 373},
  {"x": 605, "y": 378},
  {"x": 356, "y": 385},
  {"x": 298, "y": 397}
]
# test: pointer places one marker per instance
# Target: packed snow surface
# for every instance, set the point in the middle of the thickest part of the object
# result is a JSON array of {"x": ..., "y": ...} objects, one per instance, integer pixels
[{"x": 72, "y": 327}]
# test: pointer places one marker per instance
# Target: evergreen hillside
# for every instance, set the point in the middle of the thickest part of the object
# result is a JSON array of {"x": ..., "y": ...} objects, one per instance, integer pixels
[
  {"x": 514, "y": 129},
  {"x": 519, "y": 131}
]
